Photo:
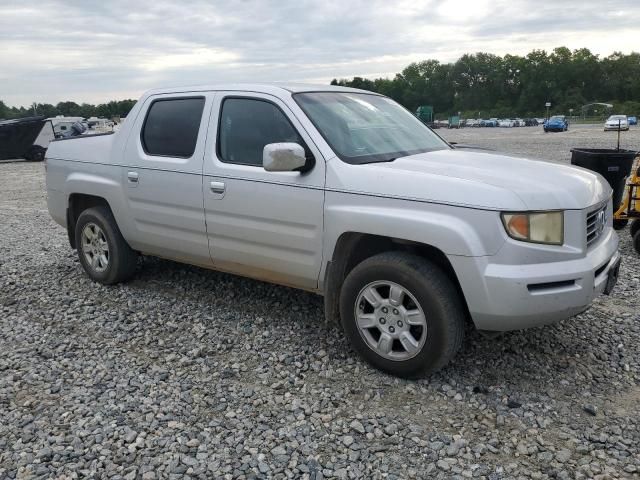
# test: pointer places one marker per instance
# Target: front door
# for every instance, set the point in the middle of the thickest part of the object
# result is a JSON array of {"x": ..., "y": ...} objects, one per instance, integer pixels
[{"x": 266, "y": 225}]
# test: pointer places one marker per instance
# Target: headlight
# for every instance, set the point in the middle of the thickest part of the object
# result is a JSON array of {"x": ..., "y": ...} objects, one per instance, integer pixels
[{"x": 536, "y": 227}]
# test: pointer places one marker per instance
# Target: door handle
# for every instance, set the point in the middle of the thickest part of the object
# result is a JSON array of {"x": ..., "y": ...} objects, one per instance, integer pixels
[
  {"x": 132, "y": 177},
  {"x": 217, "y": 187}
]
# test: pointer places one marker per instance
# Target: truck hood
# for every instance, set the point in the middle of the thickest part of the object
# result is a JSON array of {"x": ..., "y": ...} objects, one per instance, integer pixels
[{"x": 474, "y": 179}]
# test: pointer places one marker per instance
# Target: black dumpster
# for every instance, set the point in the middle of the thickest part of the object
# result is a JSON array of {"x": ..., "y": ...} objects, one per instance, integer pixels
[
  {"x": 17, "y": 136},
  {"x": 614, "y": 165}
]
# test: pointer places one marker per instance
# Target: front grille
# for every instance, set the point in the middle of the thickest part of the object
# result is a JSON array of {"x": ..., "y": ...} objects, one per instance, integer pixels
[{"x": 596, "y": 221}]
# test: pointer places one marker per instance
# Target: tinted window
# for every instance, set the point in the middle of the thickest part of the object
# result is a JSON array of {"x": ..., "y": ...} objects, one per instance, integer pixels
[
  {"x": 247, "y": 125},
  {"x": 171, "y": 127}
]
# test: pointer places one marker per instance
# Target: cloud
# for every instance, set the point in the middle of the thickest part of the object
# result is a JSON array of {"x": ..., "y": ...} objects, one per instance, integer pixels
[{"x": 97, "y": 51}]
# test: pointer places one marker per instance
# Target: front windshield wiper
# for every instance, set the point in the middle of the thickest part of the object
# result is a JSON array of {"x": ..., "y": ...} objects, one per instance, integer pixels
[
  {"x": 385, "y": 160},
  {"x": 472, "y": 147}
]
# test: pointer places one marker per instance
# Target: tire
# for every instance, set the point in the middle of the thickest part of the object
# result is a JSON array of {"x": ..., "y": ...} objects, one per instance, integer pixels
[
  {"x": 35, "y": 154},
  {"x": 121, "y": 260},
  {"x": 635, "y": 227},
  {"x": 619, "y": 224},
  {"x": 636, "y": 242},
  {"x": 427, "y": 290}
]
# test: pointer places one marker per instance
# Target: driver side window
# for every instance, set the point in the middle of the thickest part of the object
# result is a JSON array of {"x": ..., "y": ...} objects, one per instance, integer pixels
[{"x": 247, "y": 125}]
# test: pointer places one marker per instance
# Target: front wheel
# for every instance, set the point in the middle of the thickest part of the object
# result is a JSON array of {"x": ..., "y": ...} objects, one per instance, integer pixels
[
  {"x": 636, "y": 242},
  {"x": 635, "y": 227},
  {"x": 402, "y": 314}
]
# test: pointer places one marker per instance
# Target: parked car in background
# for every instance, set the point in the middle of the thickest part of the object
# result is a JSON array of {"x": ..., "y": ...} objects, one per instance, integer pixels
[
  {"x": 531, "y": 122},
  {"x": 616, "y": 122},
  {"x": 344, "y": 193},
  {"x": 492, "y": 122},
  {"x": 62, "y": 125},
  {"x": 632, "y": 120},
  {"x": 557, "y": 123},
  {"x": 472, "y": 122},
  {"x": 99, "y": 125},
  {"x": 506, "y": 122}
]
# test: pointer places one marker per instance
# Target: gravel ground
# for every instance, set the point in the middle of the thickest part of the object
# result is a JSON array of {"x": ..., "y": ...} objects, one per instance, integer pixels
[
  {"x": 532, "y": 142},
  {"x": 185, "y": 372}
]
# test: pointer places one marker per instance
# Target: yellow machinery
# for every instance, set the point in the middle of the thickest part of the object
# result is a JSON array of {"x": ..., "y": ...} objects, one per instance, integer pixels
[{"x": 629, "y": 208}]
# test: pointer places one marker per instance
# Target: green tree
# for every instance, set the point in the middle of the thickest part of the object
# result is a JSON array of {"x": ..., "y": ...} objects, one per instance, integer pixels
[
  {"x": 5, "y": 112},
  {"x": 513, "y": 84}
]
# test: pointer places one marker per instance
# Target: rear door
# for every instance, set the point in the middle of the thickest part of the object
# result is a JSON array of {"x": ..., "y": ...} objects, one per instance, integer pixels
[
  {"x": 163, "y": 177},
  {"x": 261, "y": 224}
]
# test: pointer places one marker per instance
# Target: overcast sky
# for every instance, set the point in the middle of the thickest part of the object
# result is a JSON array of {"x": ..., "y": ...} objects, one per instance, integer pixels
[{"x": 94, "y": 51}]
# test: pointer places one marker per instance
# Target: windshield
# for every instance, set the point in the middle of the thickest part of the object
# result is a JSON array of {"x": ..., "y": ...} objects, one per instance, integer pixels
[
  {"x": 617, "y": 117},
  {"x": 365, "y": 128},
  {"x": 557, "y": 117}
]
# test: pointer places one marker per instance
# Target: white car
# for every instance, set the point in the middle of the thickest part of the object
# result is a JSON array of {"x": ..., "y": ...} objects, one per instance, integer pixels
[
  {"x": 615, "y": 122},
  {"x": 506, "y": 123}
]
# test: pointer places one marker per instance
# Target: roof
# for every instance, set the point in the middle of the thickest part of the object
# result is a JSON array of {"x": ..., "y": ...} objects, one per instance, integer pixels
[{"x": 270, "y": 88}]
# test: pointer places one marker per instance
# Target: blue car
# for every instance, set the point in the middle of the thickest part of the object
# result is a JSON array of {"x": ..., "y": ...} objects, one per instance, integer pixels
[
  {"x": 632, "y": 120},
  {"x": 557, "y": 123}
]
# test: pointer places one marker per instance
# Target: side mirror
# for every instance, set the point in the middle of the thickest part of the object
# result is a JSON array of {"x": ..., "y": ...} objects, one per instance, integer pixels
[{"x": 283, "y": 157}]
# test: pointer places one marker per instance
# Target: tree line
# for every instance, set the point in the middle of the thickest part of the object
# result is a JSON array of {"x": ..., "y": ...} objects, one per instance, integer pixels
[
  {"x": 486, "y": 85},
  {"x": 69, "y": 109}
]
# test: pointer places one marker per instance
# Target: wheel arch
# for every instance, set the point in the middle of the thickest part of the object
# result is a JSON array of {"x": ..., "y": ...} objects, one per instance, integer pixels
[
  {"x": 78, "y": 203},
  {"x": 351, "y": 248}
]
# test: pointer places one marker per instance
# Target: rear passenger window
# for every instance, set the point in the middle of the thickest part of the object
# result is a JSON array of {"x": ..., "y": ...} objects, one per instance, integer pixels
[
  {"x": 247, "y": 125},
  {"x": 171, "y": 127}
]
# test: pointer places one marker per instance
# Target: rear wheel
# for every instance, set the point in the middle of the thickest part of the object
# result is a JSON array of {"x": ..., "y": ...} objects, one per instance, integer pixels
[
  {"x": 402, "y": 314},
  {"x": 103, "y": 252},
  {"x": 35, "y": 153}
]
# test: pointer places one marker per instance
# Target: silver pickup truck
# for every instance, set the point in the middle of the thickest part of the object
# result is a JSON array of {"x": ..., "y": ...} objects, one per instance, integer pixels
[{"x": 344, "y": 193}]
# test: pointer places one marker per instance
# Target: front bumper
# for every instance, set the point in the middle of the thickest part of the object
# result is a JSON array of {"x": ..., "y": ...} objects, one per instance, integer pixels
[
  {"x": 511, "y": 297},
  {"x": 610, "y": 128}
]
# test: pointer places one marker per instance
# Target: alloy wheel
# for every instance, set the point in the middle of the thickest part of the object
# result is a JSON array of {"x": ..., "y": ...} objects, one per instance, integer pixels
[
  {"x": 95, "y": 247},
  {"x": 390, "y": 320}
]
